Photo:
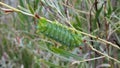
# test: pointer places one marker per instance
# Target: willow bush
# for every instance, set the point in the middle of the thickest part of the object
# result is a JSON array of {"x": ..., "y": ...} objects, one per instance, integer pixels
[{"x": 59, "y": 34}]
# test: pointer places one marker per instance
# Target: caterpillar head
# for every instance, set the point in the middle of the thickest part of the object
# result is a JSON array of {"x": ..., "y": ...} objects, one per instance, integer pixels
[{"x": 41, "y": 25}]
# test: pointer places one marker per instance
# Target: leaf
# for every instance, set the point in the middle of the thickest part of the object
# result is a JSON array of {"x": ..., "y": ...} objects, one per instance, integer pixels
[
  {"x": 65, "y": 53},
  {"x": 109, "y": 8},
  {"x": 21, "y": 2},
  {"x": 31, "y": 9},
  {"x": 98, "y": 13},
  {"x": 27, "y": 58}
]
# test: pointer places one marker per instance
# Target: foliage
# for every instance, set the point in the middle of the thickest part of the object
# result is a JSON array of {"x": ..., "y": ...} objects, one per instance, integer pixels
[{"x": 21, "y": 46}]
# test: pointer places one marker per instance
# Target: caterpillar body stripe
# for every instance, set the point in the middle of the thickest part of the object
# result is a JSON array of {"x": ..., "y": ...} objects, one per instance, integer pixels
[{"x": 59, "y": 33}]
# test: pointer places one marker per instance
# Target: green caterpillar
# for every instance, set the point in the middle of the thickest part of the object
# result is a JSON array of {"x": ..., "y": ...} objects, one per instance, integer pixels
[{"x": 59, "y": 32}]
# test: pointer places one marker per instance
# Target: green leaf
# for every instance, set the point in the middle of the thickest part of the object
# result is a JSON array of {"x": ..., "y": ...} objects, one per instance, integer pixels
[
  {"x": 65, "y": 53},
  {"x": 109, "y": 8},
  {"x": 98, "y": 13},
  {"x": 21, "y": 2},
  {"x": 36, "y": 4},
  {"x": 27, "y": 58},
  {"x": 23, "y": 9},
  {"x": 31, "y": 9}
]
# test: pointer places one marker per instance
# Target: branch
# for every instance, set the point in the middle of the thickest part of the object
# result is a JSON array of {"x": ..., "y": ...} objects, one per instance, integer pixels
[{"x": 103, "y": 54}]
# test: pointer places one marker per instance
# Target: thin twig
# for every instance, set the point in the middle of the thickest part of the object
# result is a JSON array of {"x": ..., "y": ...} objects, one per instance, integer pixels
[
  {"x": 103, "y": 54},
  {"x": 85, "y": 60},
  {"x": 76, "y": 10}
]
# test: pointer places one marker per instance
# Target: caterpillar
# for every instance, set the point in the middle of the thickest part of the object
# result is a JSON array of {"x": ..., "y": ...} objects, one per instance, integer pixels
[{"x": 59, "y": 32}]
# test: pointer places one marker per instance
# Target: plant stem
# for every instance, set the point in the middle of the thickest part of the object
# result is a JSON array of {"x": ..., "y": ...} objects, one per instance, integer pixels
[
  {"x": 97, "y": 38},
  {"x": 85, "y": 60},
  {"x": 103, "y": 54}
]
